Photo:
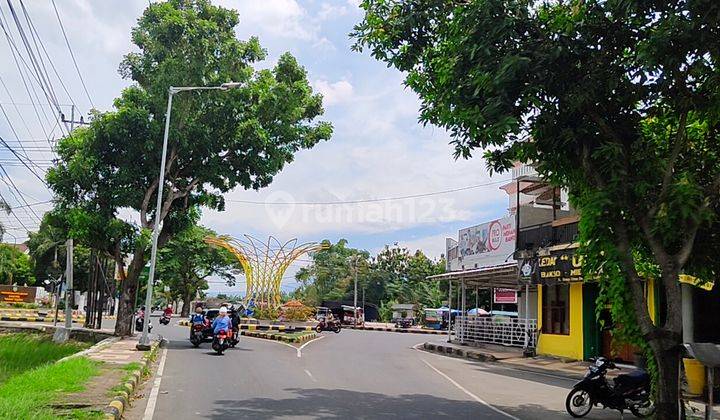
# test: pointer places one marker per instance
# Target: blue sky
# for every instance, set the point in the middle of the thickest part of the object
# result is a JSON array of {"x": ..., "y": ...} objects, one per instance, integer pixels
[{"x": 378, "y": 149}]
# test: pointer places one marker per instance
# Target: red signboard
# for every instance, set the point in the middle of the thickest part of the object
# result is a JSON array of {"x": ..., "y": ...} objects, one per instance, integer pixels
[{"x": 504, "y": 296}]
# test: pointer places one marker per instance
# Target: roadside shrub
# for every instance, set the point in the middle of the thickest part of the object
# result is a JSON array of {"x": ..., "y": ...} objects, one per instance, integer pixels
[
  {"x": 266, "y": 313},
  {"x": 298, "y": 314},
  {"x": 19, "y": 305}
]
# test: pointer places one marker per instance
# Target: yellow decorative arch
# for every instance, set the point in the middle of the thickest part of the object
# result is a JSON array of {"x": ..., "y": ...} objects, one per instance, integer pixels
[{"x": 264, "y": 263}]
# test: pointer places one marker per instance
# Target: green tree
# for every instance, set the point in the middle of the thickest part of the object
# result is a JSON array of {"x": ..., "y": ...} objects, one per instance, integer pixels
[
  {"x": 48, "y": 252},
  {"x": 615, "y": 100},
  {"x": 186, "y": 262},
  {"x": 218, "y": 140},
  {"x": 15, "y": 266},
  {"x": 330, "y": 275}
]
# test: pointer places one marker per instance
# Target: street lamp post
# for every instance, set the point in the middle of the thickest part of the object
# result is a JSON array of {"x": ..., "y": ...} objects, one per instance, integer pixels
[{"x": 144, "y": 343}]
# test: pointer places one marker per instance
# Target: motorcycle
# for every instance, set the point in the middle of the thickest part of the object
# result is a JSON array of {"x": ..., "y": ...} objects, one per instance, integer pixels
[
  {"x": 629, "y": 391},
  {"x": 221, "y": 342},
  {"x": 196, "y": 333},
  {"x": 139, "y": 321},
  {"x": 165, "y": 319},
  {"x": 403, "y": 323},
  {"x": 331, "y": 325}
]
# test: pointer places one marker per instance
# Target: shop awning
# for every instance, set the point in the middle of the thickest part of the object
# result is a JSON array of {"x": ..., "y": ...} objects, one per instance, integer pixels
[{"x": 500, "y": 276}]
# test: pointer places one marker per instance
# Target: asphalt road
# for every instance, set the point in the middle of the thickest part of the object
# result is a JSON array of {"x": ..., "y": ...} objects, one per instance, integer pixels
[{"x": 354, "y": 374}]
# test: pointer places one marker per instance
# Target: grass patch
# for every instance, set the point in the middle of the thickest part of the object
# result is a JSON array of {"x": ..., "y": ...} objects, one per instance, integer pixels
[
  {"x": 28, "y": 395},
  {"x": 20, "y": 352}
]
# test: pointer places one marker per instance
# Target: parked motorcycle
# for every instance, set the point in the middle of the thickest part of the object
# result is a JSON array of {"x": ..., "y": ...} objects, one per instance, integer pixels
[
  {"x": 629, "y": 391},
  {"x": 164, "y": 319},
  {"x": 221, "y": 342},
  {"x": 325, "y": 325}
]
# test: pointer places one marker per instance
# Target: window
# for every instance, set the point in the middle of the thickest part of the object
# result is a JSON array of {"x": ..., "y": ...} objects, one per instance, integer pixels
[{"x": 556, "y": 309}]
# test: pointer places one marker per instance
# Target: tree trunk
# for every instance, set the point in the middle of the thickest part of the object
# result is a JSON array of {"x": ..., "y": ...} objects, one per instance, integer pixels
[
  {"x": 128, "y": 293},
  {"x": 667, "y": 356},
  {"x": 186, "y": 303}
]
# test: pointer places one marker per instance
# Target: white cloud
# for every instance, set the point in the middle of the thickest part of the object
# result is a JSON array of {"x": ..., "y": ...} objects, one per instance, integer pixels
[
  {"x": 324, "y": 44},
  {"x": 329, "y": 11},
  {"x": 278, "y": 18},
  {"x": 334, "y": 92}
]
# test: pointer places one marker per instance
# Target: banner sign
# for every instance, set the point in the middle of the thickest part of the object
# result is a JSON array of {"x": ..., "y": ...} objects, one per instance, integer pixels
[
  {"x": 504, "y": 296},
  {"x": 561, "y": 266},
  {"x": 17, "y": 294},
  {"x": 487, "y": 244}
]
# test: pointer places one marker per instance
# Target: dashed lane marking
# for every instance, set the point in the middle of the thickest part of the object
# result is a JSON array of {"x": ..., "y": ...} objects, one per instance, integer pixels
[{"x": 310, "y": 375}]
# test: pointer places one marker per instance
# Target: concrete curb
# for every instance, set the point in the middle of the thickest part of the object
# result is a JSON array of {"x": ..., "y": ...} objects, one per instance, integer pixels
[
  {"x": 115, "y": 408},
  {"x": 471, "y": 354},
  {"x": 280, "y": 337},
  {"x": 398, "y": 330}
]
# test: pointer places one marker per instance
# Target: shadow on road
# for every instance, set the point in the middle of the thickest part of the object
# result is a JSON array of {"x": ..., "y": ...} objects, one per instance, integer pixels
[
  {"x": 332, "y": 404},
  {"x": 186, "y": 345}
]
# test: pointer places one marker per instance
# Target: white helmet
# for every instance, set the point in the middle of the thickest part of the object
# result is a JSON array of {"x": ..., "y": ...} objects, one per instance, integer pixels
[{"x": 223, "y": 310}]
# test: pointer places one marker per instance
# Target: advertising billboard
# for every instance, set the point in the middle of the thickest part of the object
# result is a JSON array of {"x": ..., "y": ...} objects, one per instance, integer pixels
[
  {"x": 487, "y": 244},
  {"x": 504, "y": 296}
]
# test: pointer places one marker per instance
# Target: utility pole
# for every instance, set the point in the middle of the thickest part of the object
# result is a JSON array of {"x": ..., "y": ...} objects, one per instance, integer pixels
[
  {"x": 62, "y": 334},
  {"x": 72, "y": 119},
  {"x": 69, "y": 289},
  {"x": 355, "y": 311}
]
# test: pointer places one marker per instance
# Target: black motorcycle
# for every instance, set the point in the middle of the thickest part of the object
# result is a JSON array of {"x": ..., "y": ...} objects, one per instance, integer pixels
[
  {"x": 139, "y": 321},
  {"x": 197, "y": 333},
  {"x": 164, "y": 319},
  {"x": 220, "y": 342},
  {"x": 629, "y": 391},
  {"x": 331, "y": 325}
]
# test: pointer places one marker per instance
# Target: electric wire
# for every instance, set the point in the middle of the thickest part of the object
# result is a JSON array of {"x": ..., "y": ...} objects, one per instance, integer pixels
[
  {"x": 34, "y": 33},
  {"x": 371, "y": 200},
  {"x": 13, "y": 48},
  {"x": 67, "y": 42}
]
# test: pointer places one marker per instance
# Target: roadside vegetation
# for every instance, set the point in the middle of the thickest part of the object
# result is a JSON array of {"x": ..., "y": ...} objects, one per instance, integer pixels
[
  {"x": 30, "y": 394},
  {"x": 21, "y": 352},
  {"x": 30, "y": 380}
]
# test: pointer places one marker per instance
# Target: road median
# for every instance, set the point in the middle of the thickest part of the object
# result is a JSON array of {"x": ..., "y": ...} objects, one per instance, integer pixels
[{"x": 295, "y": 337}]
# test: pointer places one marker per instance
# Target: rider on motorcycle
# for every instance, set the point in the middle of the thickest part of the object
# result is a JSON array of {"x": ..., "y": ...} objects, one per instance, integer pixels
[
  {"x": 222, "y": 321},
  {"x": 198, "y": 317},
  {"x": 168, "y": 311}
]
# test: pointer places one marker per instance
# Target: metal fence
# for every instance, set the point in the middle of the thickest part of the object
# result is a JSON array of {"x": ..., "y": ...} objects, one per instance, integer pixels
[{"x": 505, "y": 331}]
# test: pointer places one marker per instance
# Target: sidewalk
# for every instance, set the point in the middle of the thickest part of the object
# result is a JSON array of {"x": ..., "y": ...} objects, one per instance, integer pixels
[{"x": 512, "y": 356}]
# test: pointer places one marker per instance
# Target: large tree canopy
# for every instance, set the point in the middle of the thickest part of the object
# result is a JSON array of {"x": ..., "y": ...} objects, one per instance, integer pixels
[
  {"x": 616, "y": 100},
  {"x": 218, "y": 140}
]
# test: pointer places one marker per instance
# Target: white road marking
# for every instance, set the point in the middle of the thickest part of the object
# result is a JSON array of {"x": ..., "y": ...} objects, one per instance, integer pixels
[
  {"x": 481, "y": 366},
  {"x": 299, "y": 350},
  {"x": 152, "y": 400},
  {"x": 310, "y": 375},
  {"x": 470, "y": 394}
]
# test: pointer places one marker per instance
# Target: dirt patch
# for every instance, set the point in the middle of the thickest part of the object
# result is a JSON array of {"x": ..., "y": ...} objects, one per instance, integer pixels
[{"x": 98, "y": 391}]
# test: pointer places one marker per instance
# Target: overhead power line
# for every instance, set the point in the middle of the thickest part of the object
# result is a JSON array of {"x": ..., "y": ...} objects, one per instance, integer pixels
[
  {"x": 372, "y": 200},
  {"x": 67, "y": 42}
]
